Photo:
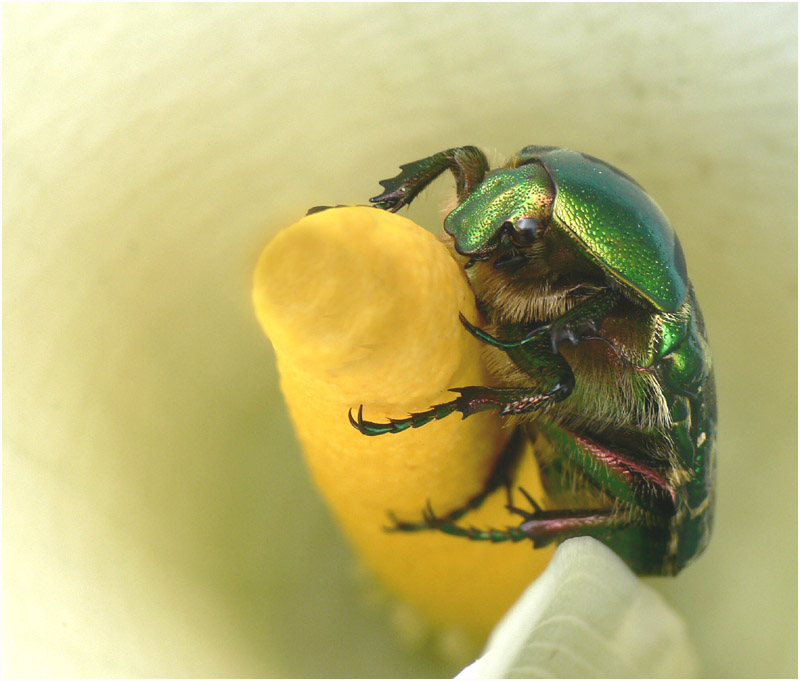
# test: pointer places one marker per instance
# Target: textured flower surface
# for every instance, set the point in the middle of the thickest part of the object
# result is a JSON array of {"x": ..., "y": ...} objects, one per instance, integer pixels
[
  {"x": 587, "y": 616},
  {"x": 158, "y": 519},
  {"x": 375, "y": 322}
]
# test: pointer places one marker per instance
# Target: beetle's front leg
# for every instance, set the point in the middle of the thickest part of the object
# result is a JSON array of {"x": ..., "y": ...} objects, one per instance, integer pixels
[{"x": 468, "y": 165}]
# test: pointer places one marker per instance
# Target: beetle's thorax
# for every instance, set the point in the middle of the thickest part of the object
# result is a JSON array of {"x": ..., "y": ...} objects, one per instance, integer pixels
[{"x": 504, "y": 196}]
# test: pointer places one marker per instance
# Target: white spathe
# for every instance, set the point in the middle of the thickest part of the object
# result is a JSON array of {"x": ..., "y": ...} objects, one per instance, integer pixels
[
  {"x": 157, "y": 519},
  {"x": 587, "y": 616}
]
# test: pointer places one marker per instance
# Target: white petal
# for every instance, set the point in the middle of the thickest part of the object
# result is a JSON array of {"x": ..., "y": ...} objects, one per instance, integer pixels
[{"x": 587, "y": 616}]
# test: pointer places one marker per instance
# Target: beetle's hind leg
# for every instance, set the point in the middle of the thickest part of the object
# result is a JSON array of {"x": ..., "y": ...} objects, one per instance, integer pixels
[
  {"x": 500, "y": 477},
  {"x": 542, "y": 527},
  {"x": 644, "y": 501}
]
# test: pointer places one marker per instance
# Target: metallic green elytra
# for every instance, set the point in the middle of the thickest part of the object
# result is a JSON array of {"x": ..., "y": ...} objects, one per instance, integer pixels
[
  {"x": 597, "y": 349},
  {"x": 607, "y": 214}
]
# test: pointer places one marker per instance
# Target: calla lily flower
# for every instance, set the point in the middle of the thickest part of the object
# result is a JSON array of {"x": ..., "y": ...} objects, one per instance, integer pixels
[
  {"x": 376, "y": 319},
  {"x": 158, "y": 517}
]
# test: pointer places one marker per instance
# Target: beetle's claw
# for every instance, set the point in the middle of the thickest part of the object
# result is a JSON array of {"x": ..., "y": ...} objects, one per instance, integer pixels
[
  {"x": 362, "y": 426},
  {"x": 374, "y": 428},
  {"x": 395, "y": 523},
  {"x": 430, "y": 521},
  {"x": 317, "y": 209},
  {"x": 573, "y": 332},
  {"x": 535, "y": 332},
  {"x": 531, "y": 500},
  {"x": 560, "y": 330},
  {"x": 402, "y": 526},
  {"x": 360, "y": 422},
  {"x": 395, "y": 195},
  {"x": 391, "y": 202},
  {"x": 429, "y": 515},
  {"x": 483, "y": 336},
  {"x": 526, "y": 515},
  {"x": 480, "y": 334},
  {"x": 414, "y": 420}
]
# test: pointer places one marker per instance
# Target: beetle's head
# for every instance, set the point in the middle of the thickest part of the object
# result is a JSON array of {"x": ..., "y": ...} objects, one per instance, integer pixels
[{"x": 504, "y": 215}]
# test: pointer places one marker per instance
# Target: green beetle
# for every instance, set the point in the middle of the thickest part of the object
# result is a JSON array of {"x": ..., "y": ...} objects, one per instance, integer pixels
[{"x": 596, "y": 346}]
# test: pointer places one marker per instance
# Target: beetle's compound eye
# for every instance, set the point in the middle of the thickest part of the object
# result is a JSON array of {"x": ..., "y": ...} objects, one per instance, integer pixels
[{"x": 523, "y": 232}]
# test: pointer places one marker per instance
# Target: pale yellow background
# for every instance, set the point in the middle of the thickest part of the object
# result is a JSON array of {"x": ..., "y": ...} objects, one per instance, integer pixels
[{"x": 157, "y": 519}]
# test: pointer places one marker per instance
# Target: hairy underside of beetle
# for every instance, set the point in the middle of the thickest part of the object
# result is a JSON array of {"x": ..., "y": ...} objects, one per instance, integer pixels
[{"x": 617, "y": 401}]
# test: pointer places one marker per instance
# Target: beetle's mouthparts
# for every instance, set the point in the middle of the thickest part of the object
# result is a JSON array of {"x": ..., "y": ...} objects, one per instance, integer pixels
[
  {"x": 510, "y": 260},
  {"x": 473, "y": 257}
]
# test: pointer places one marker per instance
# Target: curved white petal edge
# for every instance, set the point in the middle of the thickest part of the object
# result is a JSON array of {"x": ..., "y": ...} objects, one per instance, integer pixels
[{"x": 587, "y": 616}]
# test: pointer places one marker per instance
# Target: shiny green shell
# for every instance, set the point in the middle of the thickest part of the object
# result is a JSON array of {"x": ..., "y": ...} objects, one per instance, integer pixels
[{"x": 616, "y": 223}]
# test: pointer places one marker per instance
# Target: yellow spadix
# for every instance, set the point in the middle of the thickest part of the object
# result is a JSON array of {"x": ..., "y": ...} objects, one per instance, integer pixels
[{"x": 361, "y": 306}]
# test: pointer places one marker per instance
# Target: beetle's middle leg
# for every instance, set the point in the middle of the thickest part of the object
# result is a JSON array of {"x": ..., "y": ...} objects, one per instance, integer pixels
[
  {"x": 551, "y": 381},
  {"x": 501, "y": 476},
  {"x": 471, "y": 400}
]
